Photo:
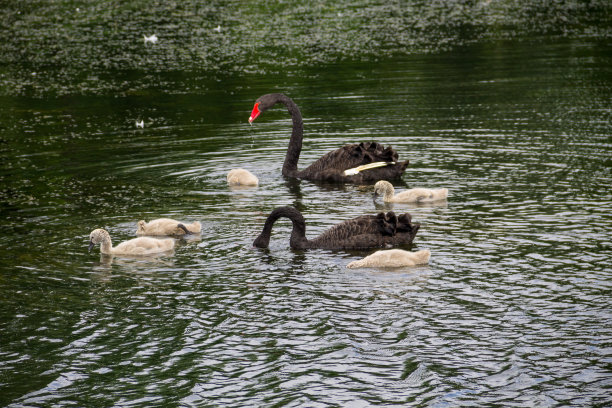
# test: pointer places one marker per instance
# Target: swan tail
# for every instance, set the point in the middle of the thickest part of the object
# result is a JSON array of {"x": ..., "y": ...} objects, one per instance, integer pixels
[
  {"x": 405, "y": 225},
  {"x": 375, "y": 152},
  {"x": 387, "y": 223},
  {"x": 392, "y": 225},
  {"x": 196, "y": 227},
  {"x": 422, "y": 256}
]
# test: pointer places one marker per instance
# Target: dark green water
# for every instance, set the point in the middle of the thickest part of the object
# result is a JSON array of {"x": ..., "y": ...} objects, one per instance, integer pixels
[{"x": 506, "y": 104}]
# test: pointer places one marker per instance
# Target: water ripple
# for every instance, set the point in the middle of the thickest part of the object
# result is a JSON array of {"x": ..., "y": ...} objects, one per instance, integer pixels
[{"x": 513, "y": 308}]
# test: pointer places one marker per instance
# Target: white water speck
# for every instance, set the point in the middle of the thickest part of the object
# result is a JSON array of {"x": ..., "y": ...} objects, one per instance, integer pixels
[{"x": 152, "y": 39}]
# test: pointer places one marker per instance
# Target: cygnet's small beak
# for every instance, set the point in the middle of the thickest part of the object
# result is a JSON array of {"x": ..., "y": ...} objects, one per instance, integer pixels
[
  {"x": 255, "y": 113},
  {"x": 91, "y": 245}
]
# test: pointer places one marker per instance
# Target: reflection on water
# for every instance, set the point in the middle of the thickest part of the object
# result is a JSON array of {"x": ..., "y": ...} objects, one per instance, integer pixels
[
  {"x": 241, "y": 188},
  {"x": 107, "y": 260},
  {"x": 102, "y": 271},
  {"x": 513, "y": 308}
]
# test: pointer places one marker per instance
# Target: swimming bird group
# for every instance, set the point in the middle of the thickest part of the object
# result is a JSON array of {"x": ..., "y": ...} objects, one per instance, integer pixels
[
  {"x": 145, "y": 245},
  {"x": 358, "y": 163}
]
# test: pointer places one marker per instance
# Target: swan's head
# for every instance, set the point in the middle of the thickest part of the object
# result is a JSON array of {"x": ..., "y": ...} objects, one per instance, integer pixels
[
  {"x": 141, "y": 226},
  {"x": 262, "y": 104},
  {"x": 97, "y": 236},
  {"x": 381, "y": 188}
]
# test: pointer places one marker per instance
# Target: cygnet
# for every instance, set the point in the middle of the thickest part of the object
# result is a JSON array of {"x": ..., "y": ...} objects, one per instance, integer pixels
[
  {"x": 136, "y": 246},
  {"x": 167, "y": 226},
  {"x": 241, "y": 177},
  {"x": 415, "y": 195},
  {"x": 392, "y": 258}
]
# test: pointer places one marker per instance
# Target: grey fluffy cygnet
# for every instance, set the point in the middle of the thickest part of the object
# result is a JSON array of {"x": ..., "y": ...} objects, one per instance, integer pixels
[
  {"x": 414, "y": 195},
  {"x": 392, "y": 258},
  {"x": 241, "y": 177},
  {"x": 167, "y": 226},
  {"x": 136, "y": 246}
]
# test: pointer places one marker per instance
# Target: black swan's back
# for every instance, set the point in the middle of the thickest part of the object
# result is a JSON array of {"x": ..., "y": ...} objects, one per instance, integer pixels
[
  {"x": 367, "y": 231},
  {"x": 332, "y": 166}
]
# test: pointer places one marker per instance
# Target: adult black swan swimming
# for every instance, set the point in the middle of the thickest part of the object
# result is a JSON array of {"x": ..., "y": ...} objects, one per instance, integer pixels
[
  {"x": 353, "y": 163},
  {"x": 367, "y": 231}
]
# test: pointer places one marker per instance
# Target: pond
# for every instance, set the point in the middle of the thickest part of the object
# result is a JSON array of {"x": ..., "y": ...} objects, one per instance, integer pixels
[{"x": 514, "y": 118}]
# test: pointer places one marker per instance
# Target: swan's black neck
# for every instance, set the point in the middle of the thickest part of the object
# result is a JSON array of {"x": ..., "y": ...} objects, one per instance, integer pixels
[
  {"x": 297, "y": 134},
  {"x": 298, "y": 233}
]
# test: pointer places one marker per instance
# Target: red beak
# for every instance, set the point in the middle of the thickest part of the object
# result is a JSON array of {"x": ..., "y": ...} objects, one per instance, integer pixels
[{"x": 255, "y": 113}]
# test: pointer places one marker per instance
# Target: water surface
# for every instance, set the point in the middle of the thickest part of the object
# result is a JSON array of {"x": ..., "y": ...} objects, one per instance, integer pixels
[{"x": 514, "y": 308}]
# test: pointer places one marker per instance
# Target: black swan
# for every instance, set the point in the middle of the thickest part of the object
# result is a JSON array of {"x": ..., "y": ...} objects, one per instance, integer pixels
[
  {"x": 353, "y": 163},
  {"x": 367, "y": 231}
]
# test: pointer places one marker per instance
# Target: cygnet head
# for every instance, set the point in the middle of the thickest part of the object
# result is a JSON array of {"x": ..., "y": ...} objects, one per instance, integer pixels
[
  {"x": 141, "y": 227},
  {"x": 382, "y": 187},
  {"x": 97, "y": 236}
]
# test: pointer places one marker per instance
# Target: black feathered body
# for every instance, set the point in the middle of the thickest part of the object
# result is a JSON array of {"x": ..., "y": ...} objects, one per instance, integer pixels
[
  {"x": 331, "y": 166},
  {"x": 367, "y": 231}
]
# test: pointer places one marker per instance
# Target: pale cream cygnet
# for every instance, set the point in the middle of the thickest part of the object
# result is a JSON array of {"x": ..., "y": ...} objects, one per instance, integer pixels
[
  {"x": 241, "y": 177},
  {"x": 136, "y": 246},
  {"x": 392, "y": 258},
  {"x": 414, "y": 195},
  {"x": 167, "y": 226}
]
